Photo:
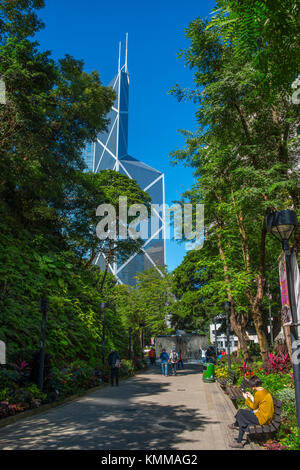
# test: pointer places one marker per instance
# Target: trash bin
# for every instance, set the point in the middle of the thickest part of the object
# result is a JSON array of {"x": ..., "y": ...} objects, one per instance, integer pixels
[{"x": 209, "y": 373}]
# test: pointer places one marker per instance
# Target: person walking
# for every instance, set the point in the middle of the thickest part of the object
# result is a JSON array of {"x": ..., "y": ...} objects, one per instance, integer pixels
[
  {"x": 203, "y": 355},
  {"x": 180, "y": 361},
  {"x": 173, "y": 360},
  {"x": 114, "y": 364},
  {"x": 152, "y": 356},
  {"x": 262, "y": 410},
  {"x": 164, "y": 359}
]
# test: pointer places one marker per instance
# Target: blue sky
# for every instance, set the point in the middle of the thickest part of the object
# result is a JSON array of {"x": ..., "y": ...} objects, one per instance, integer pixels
[{"x": 91, "y": 30}]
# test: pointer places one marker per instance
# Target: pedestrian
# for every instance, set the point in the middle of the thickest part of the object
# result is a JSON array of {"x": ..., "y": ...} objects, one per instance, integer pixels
[
  {"x": 200, "y": 353},
  {"x": 210, "y": 356},
  {"x": 152, "y": 356},
  {"x": 262, "y": 410},
  {"x": 180, "y": 361},
  {"x": 173, "y": 360},
  {"x": 203, "y": 355},
  {"x": 164, "y": 358},
  {"x": 114, "y": 364}
]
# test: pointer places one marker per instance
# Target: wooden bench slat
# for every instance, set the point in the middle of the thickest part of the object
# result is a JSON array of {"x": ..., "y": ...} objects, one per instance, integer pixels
[
  {"x": 274, "y": 427},
  {"x": 266, "y": 428}
]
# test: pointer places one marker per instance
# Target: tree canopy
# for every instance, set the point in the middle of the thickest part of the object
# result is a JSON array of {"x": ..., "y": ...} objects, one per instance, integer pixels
[{"x": 245, "y": 150}]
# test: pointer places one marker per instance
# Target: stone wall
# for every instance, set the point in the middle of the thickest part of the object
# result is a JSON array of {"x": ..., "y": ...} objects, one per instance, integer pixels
[{"x": 189, "y": 345}]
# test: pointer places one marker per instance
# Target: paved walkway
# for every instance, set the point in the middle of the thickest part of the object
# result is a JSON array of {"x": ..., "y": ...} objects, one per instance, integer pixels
[{"x": 147, "y": 412}]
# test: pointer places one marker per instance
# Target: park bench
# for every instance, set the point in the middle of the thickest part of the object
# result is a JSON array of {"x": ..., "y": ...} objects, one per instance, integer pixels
[
  {"x": 257, "y": 430},
  {"x": 225, "y": 382},
  {"x": 235, "y": 392}
]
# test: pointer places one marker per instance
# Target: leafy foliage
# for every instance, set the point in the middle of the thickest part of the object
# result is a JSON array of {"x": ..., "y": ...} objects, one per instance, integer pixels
[{"x": 244, "y": 152}]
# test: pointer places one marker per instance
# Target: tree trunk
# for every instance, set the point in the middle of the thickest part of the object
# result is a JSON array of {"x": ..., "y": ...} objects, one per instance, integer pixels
[
  {"x": 262, "y": 339},
  {"x": 237, "y": 325},
  {"x": 240, "y": 332}
]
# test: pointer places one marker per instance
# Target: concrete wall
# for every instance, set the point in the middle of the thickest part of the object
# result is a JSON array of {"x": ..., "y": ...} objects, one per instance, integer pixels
[{"x": 188, "y": 344}]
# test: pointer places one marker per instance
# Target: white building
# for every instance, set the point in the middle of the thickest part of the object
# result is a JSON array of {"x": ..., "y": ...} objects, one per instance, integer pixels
[{"x": 222, "y": 338}]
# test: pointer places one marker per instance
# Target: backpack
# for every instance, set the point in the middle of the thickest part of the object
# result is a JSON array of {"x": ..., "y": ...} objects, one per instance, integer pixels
[{"x": 174, "y": 356}]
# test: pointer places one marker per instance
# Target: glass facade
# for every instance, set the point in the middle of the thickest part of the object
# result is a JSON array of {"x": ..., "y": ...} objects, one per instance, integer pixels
[
  {"x": 110, "y": 151},
  {"x": 89, "y": 155}
]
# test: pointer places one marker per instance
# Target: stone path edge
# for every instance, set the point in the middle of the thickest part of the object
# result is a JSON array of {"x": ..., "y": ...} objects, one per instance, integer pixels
[
  {"x": 234, "y": 410},
  {"x": 48, "y": 406}
]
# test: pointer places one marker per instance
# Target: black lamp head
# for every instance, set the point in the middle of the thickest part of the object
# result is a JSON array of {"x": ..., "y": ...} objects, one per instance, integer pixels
[
  {"x": 227, "y": 306},
  {"x": 281, "y": 224}
]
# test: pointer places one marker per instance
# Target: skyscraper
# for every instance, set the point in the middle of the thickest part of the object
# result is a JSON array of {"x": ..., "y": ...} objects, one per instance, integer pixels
[{"x": 110, "y": 151}]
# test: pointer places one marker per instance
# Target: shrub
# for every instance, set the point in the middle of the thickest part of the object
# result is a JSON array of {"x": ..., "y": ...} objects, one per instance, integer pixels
[
  {"x": 292, "y": 441},
  {"x": 275, "y": 382},
  {"x": 274, "y": 445},
  {"x": 78, "y": 376},
  {"x": 289, "y": 416},
  {"x": 9, "y": 379},
  {"x": 278, "y": 363},
  {"x": 127, "y": 367}
]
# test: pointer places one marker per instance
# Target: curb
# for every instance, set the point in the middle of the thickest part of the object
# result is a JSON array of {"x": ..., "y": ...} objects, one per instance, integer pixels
[{"x": 48, "y": 406}]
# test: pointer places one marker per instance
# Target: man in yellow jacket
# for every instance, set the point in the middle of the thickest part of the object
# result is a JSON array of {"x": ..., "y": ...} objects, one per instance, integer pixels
[{"x": 262, "y": 410}]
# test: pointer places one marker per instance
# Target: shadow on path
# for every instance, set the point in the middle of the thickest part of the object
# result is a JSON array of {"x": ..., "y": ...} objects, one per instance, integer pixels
[{"x": 109, "y": 419}]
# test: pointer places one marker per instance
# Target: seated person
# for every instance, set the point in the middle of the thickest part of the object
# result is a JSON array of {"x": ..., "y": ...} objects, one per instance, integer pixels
[{"x": 262, "y": 410}]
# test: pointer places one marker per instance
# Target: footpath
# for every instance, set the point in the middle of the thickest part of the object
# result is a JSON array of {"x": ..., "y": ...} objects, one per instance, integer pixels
[{"x": 146, "y": 412}]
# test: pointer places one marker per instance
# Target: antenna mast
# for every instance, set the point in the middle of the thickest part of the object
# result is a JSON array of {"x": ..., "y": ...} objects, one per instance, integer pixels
[{"x": 126, "y": 69}]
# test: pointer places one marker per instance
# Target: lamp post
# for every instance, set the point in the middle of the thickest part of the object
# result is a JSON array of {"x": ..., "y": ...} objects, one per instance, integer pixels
[
  {"x": 142, "y": 325},
  {"x": 103, "y": 306},
  {"x": 227, "y": 307},
  {"x": 44, "y": 305},
  {"x": 216, "y": 342},
  {"x": 270, "y": 318},
  {"x": 129, "y": 342},
  {"x": 216, "y": 320},
  {"x": 282, "y": 224}
]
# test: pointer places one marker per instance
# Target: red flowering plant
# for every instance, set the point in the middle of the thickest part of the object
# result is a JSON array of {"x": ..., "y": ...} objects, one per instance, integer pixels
[
  {"x": 278, "y": 363},
  {"x": 246, "y": 369}
]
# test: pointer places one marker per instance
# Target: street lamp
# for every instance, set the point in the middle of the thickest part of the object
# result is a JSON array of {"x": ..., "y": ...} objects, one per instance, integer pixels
[
  {"x": 216, "y": 320},
  {"x": 44, "y": 305},
  {"x": 282, "y": 224},
  {"x": 227, "y": 307},
  {"x": 129, "y": 342},
  {"x": 269, "y": 295},
  {"x": 103, "y": 306},
  {"x": 142, "y": 325},
  {"x": 216, "y": 341}
]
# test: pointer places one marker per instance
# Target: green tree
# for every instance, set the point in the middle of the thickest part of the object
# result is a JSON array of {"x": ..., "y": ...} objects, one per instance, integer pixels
[
  {"x": 244, "y": 159},
  {"x": 148, "y": 303}
]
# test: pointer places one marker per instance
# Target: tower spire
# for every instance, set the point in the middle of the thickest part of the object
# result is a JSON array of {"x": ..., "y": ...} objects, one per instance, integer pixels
[{"x": 126, "y": 69}]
